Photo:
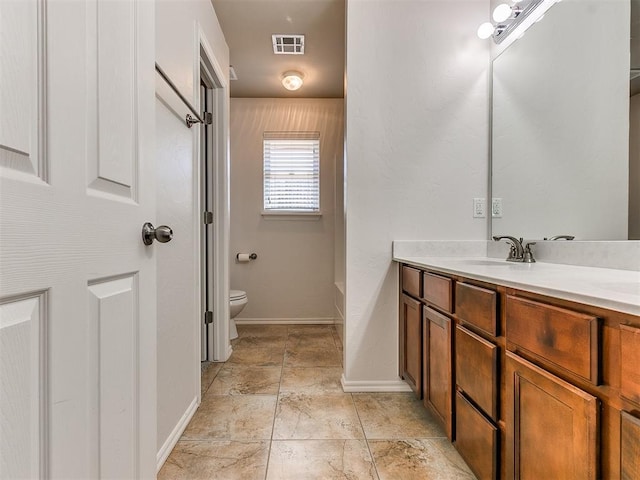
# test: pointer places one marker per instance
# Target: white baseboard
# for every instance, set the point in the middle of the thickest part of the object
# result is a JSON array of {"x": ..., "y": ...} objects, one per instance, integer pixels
[
  {"x": 285, "y": 321},
  {"x": 374, "y": 386},
  {"x": 175, "y": 435}
]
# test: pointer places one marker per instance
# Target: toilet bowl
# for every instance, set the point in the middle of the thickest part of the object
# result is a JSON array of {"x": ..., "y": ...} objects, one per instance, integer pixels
[{"x": 237, "y": 302}]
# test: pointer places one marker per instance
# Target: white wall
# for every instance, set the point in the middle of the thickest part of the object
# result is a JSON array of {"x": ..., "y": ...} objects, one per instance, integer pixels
[
  {"x": 634, "y": 168},
  {"x": 293, "y": 277},
  {"x": 416, "y": 116},
  {"x": 180, "y": 28},
  {"x": 339, "y": 243}
]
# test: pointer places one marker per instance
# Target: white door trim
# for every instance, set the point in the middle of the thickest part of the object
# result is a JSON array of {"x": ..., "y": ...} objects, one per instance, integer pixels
[{"x": 219, "y": 345}]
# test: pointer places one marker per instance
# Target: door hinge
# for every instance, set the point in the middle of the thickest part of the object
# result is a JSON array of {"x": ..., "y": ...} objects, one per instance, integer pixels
[
  {"x": 208, "y": 118},
  {"x": 208, "y": 317},
  {"x": 208, "y": 218}
]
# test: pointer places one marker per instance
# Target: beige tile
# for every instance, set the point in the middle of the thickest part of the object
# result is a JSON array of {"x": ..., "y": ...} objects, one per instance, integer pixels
[
  {"x": 263, "y": 341},
  {"x": 418, "y": 459},
  {"x": 325, "y": 459},
  {"x": 232, "y": 417},
  {"x": 321, "y": 340},
  {"x": 216, "y": 460},
  {"x": 209, "y": 371},
  {"x": 337, "y": 340},
  {"x": 311, "y": 329},
  {"x": 313, "y": 380},
  {"x": 256, "y": 355},
  {"x": 313, "y": 356},
  {"x": 300, "y": 417},
  {"x": 262, "y": 331},
  {"x": 395, "y": 415},
  {"x": 246, "y": 380}
]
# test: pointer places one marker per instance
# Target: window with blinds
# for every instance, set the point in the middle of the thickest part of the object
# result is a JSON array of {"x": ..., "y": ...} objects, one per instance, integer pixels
[{"x": 292, "y": 172}]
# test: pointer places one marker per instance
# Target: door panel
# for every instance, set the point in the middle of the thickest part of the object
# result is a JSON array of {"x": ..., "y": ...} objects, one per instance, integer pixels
[
  {"x": 112, "y": 107},
  {"x": 113, "y": 307},
  {"x": 21, "y": 368},
  {"x": 21, "y": 27},
  {"x": 76, "y": 240}
]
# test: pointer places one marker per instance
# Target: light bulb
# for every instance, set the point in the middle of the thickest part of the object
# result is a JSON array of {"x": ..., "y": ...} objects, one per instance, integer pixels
[
  {"x": 486, "y": 30},
  {"x": 292, "y": 80},
  {"x": 502, "y": 12}
]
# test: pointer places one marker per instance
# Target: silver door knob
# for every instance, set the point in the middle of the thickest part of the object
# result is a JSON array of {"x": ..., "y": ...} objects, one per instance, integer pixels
[{"x": 163, "y": 234}]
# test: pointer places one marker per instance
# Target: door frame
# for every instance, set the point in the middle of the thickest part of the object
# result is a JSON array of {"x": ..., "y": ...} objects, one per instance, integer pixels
[{"x": 219, "y": 345}]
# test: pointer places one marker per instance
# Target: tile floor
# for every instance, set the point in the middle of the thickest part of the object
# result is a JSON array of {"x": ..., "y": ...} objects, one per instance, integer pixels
[{"x": 276, "y": 411}]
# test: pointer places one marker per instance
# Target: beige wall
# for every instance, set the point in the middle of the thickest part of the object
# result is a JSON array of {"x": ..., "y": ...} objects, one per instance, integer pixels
[{"x": 293, "y": 277}]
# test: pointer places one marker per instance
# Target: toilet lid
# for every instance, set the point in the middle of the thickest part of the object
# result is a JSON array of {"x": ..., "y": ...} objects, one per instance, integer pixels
[{"x": 237, "y": 294}]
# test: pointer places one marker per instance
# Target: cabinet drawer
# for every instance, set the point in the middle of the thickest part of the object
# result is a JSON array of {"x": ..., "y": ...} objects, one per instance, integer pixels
[
  {"x": 437, "y": 290},
  {"x": 477, "y": 370},
  {"x": 565, "y": 338},
  {"x": 629, "y": 446},
  {"x": 477, "y": 306},
  {"x": 630, "y": 358},
  {"x": 476, "y": 440},
  {"x": 411, "y": 281}
]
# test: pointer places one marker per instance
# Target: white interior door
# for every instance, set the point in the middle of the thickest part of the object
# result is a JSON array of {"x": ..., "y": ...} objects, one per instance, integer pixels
[{"x": 77, "y": 285}]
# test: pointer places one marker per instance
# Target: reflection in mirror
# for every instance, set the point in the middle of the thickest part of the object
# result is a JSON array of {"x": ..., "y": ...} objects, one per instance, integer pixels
[{"x": 560, "y": 131}]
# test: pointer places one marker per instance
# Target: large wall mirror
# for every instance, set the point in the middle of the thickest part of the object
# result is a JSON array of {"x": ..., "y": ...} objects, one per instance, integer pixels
[{"x": 562, "y": 159}]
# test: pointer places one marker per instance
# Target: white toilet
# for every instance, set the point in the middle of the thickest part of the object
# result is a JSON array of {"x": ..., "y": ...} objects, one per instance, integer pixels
[{"x": 237, "y": 302}]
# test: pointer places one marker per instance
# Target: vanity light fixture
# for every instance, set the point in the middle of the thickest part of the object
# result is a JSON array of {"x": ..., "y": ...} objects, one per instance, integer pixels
[
  {"x": 507, "y": 18},
  {"x": 504, "y": 11},
  {"x": 292, "y": 80}
]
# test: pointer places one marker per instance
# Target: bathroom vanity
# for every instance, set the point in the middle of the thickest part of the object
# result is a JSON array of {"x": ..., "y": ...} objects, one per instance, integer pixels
[{"x": 533, "y": 369}]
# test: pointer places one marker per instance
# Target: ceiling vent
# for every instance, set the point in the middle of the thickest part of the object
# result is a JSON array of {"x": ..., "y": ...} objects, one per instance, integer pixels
[{"x": 288, "y": 44}]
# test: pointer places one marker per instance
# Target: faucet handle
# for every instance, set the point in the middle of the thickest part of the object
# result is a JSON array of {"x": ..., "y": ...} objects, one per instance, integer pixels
[{"x": 528, "y": 254}]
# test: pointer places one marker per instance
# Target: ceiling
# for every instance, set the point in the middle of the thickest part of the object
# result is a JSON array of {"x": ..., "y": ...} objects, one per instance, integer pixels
[{"x": 248, "y": 25}]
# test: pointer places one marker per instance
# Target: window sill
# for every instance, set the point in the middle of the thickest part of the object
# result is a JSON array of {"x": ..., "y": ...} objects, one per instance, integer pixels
[{"x": 290, "y": 215}]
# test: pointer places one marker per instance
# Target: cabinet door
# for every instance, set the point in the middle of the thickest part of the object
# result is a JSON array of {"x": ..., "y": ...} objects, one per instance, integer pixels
[
  {"x": 552, "y": 426},
  {"x": 629, "y": 446},
  {"x": 437, "y": 367},
  {"x": 411, "y": 344}
]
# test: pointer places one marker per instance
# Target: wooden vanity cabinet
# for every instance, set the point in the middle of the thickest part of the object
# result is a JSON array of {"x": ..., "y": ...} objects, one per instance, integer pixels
[
  {"x": 527, "y": 386},
  {"x": 552, "y": 427}
]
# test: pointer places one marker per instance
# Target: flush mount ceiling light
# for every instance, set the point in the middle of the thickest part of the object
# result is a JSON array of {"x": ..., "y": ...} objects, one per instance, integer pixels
[{"x": 292, "y": 80}]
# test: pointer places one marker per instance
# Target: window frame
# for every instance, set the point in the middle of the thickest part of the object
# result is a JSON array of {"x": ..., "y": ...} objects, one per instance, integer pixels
[{"x": 292, "y": 136}]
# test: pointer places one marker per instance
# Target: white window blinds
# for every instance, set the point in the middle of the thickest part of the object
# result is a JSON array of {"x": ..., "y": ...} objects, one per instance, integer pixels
[{"x": 292, "y": 172}]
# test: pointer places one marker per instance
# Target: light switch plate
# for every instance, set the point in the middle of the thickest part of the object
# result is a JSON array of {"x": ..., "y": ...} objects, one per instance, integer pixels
[
  {"x": 496, "y": 208},
  {"x": 479, "y": 208}
]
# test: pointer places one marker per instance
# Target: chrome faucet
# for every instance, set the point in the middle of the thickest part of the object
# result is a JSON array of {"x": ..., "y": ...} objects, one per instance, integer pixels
[
  {"x": 517, "y": 253},
  {"x": 560, "y": 237}
]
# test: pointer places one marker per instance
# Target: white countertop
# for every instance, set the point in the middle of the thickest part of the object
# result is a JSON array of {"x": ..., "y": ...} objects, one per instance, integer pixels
[{"x": 602, "y": 287}]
